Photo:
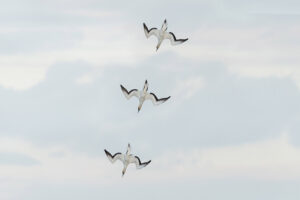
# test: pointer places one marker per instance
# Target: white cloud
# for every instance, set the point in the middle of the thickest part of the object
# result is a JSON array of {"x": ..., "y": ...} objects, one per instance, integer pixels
[
  {"x": 68, "y": 167},
  {"x": 269, "y": 51},
  {"x": 19, "y": 77},
  {"x": 85, "y": 79},
  {"x": 186, "y": 89},
  {"x": 274, "y": 159},
  {"x": 92, "y": 13},
  {"x": 100, "y": 46}
]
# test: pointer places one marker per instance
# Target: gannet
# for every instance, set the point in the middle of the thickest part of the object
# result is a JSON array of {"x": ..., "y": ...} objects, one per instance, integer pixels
[
  {"x": 143, "y": 95},
  {"x": 162, "y": 34},
  {"x": 126, "y": 159}
]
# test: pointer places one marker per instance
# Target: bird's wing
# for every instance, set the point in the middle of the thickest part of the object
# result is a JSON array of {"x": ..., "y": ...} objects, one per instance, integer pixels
[
  {"x": 113, "y": 158},
  {"x": 155, "y": 100},
  {"x": 152, "y": 31},
  {"x": 172, "y": 38},
  {"x": 131, "y": 93},
  {"x": 136, "y": 160}
]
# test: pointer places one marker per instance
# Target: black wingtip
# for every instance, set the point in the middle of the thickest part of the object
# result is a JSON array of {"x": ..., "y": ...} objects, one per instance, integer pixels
[
  {"x": 122, "y": 87},
  {"x": 147, "y": 163},
  {"x": 183, "y": 40},
  {"x": 167, "y": 98}
]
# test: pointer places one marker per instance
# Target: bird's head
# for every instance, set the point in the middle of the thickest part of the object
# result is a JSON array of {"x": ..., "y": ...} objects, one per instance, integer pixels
[{"x": 164, "y": 26}]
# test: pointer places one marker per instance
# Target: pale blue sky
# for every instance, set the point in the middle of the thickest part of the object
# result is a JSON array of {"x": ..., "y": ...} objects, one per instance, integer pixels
[{"x": 230, "y": 130}]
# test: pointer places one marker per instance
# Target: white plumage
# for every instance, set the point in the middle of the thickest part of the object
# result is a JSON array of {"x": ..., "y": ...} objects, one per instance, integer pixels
[
  {"x": 162, "y": 34},
  {"x": 126, "y": 159},
  {"x": 143, "y": 95}
]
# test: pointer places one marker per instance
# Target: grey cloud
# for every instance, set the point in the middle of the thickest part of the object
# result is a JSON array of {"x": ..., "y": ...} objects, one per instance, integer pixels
[
  {"x": 189, "y": 15},
  {"x": 57, "y": 13},
  {"x": 28, "y": 41},
  {"x": 63, "y": 14},
  {"x": 176, "y": 190},
  {"x": 228, "y": 110},
  {"x": 60, "y": 24},
  {"x": 9, "y": 158}
]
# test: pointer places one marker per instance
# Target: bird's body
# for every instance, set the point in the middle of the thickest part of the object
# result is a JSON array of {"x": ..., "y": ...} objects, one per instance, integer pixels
[
  {"x": 126, "y": 159},
  {"x": 162, "y": 34},
  {"x": 143, "y": 95}
]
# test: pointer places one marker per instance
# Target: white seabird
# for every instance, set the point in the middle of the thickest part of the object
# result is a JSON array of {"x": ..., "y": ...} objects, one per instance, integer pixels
[
  {"x": 162, "y": 34},
  {"x": 126, "y": 159},
  {"x": 143, "y": 95}
]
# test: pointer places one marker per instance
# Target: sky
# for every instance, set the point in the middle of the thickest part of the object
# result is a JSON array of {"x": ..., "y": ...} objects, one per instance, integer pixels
[{"x": 229, "y": 131}]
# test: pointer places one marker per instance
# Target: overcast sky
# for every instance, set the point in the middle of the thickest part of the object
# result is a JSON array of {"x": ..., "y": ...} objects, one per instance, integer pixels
[{"x": 230, "y": 131}]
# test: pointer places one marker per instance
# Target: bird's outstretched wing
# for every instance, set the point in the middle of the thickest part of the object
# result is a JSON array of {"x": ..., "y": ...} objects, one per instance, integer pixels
[
  {"x": 152, "y": 31},
  {"x": 155, "y": 100},
  {"x": 136, "y": 160},
  {"x": 131, "y": 93},
  {"x": 113, "y": 158},
  {"x": 173, "y": 39}
]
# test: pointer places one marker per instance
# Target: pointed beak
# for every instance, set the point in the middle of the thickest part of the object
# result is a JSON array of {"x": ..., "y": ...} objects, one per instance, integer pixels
[
  {"x": 139, "y": 110},
  {"x": 157, "y": 48},
  {"x": 123, "y": 174}
]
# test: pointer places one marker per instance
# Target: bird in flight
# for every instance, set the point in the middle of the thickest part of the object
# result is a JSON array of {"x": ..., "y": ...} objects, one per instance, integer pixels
[
  {"x": 162, "y": 34},
  {"x": 126, "y": 159},
  {"x": 143, "y": 95}
]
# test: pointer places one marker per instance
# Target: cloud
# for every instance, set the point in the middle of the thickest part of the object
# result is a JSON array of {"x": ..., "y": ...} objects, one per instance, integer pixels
[
  {"x": 69, "y": 166},
  {"x": 61, "y": 105},
  {"x": 273, "y": 159},
  {"x": 265, "y": 50},
  {"x": 188, "y": 88},
  {"x": 227, "y": 110},
  {"x": 271, "y": 163},
  {"x": 85, "y": 79},
  {"x": 20, "y": 77},
  {"x": 29, "y": 55},
  {"x": 9, "y": 158},
  {"x": 27, "y": 41}
]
